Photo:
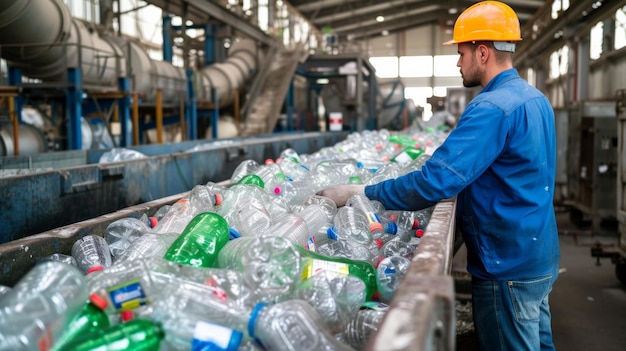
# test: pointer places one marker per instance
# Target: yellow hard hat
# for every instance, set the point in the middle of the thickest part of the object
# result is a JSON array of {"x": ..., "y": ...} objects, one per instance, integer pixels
[{"x": 486, "y": 21}]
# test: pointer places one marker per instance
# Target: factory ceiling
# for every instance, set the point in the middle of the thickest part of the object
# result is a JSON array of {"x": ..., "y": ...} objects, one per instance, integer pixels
[{"x": 360, "y": 19}]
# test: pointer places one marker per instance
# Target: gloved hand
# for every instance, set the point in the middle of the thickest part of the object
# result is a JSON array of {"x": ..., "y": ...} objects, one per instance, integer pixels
[{"x": 341, "y": 193}]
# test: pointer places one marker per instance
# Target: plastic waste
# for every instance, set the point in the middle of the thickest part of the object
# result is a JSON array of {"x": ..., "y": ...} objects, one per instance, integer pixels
[
  {"x": 136, "y": 334},
  {"x": 91, "y": 253},
  {"x": 389, "y": 274},
  {"x": 40, "y": 306},
  {"x": 361, "y": 202},
  {"x": 362, "y": 327},
  {"x": 200, "y": 241},
  {"x": 121, "y": 233},
  {"x": 90, "y": 319},
  {"x": 292, "y": 325}
]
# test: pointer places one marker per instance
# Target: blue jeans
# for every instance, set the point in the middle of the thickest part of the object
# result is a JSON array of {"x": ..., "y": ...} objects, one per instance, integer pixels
[{"x": 513, "y": 315}]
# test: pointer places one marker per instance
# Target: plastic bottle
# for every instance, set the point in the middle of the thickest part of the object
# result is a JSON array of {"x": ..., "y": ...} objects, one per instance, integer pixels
[
  {"x": 120, "y": 154},
  {"x": 422, "y": 218},
  {"x": 90, "y": 319},
  {"x": 334, "y": 297},
  {"x": 91, "y": 253},
  {"x": 363, "y": 270},
  {"x": 361, "y": 328},
  {"x": 202, "y": 199},
  {"x": 389, "y": 274},
  {"x": 61, "y": 258},
  {"x": 270, "y": 265},
  {"x": 251, "y": 217},
  {"x": 122, "y": 232},
  {"x": 299, "y": 228},
  {"x": 292, "y": 325},
  {"x": 409, "y": 154},
  {"x": 326, "y": 203},
  {"x": 136, "y": 334},
  {"x": 352, "y": 225},
  {"x": 244, "y": 168},
  {"x": 200, "y": 241},
  {"x": 43, "y": 302},
  {"x": 397, "y": 248},
  {"x": 176, "y": 218},
  {"x": 148, "y": 245},
  {"x": 192, "y": 314},
  {"x": 361, "y": 202}
]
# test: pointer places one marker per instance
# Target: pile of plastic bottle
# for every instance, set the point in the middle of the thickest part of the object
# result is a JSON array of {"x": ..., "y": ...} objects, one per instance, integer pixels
[{"x": 262, "y": 263}]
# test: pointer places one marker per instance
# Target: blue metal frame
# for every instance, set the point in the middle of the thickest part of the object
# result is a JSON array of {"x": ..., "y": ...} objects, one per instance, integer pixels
[
  {"x": 168, "y": 50},
  {"x": 15, "y": 79},
  {"x": 124, "y": 111},
  {"x": 191, "y": 109},
  {"x": 209, "y": 44}
]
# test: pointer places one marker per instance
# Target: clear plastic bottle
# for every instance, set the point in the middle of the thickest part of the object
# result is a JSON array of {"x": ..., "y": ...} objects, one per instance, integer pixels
[
  {"x": 244, "y": 168},
  {"x": 361, "y": 328},
  {"x": 336, "y": 298},
  {"x": 270, "y": 265},
  {"x": 91, "y": 253},
  {"x": 192, "y": 314},
  {"x": 326, "y": 203},
  {"x": 120, "y": 154},
  {"x": 397, "y": 248},
  {"x": 292, "y": 325},
  {"x": 352, "y": 225},
  {"x": 361, "y": 202},
  {"x": 148, "y": 245},
  {"x": 252, "y": 217},
  {"x": 200, "y": 241},
  {"x": 136, "y": 334},
  {"x": 61, "y": 258},
  {"x": 176, "y": 218},
  {"x": 389, "y": 274},
  {"x": 299, "y": 228},
  {"x": 43, "y": 302},
  {"x": 122, "y": 232}
]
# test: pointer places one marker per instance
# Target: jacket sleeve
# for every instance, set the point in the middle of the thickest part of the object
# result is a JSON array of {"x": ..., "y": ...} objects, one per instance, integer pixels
[{"x": 467, "y": 152}]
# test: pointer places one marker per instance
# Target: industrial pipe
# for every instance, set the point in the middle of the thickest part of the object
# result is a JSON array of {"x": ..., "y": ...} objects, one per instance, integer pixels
[{"x": 67, "y": 42}]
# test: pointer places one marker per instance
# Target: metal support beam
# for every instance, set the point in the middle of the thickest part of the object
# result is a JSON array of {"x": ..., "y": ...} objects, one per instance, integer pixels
[
  {"x": 191, "y": 109},
  {"x": 215, "y": 113},
  {"x": 73, "y": 108},
  {"x": 198, "y": 9},
  {"x": 15, "y": 79},
  {"x": 209, "y": 44},
  {"x": 124, "y": 107},
  {"x": 168, "y": 50}
]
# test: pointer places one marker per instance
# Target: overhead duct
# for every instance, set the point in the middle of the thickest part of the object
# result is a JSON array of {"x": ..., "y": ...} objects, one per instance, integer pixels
[{"x": 66, "y": 42}]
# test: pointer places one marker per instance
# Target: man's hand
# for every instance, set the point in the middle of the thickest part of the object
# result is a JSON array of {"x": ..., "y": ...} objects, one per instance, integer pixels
[{"x": 341, "y": 193}]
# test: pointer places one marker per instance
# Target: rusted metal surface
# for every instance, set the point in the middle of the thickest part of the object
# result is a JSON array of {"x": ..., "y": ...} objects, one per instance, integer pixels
[{"x": 422, "y": 313}]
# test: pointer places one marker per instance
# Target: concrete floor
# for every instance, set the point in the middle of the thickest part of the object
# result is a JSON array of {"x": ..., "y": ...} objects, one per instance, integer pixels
[{"x": 588, "y": 303}]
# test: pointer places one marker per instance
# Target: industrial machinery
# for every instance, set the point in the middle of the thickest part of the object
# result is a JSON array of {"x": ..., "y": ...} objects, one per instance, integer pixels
[{"x": 617, "y": 251}]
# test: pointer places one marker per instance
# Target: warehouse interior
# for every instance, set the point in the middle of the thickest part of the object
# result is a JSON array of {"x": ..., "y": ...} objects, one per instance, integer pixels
[{"x": 199, "y": 86}]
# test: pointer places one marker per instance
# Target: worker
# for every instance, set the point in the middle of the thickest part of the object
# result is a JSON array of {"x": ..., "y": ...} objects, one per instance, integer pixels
[{"x": 500, "y": 163}]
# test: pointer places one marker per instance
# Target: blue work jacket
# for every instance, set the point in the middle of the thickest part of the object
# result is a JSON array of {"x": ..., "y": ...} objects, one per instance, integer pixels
[{"x": 500, "y": 160}]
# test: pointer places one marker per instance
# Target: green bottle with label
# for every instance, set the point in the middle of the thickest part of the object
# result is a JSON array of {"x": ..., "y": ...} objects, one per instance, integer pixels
[
  {"x": 313, "y": 262},
  {"x": 90, "y": 319},
  {"x": 200, "y": 241},
  {"x": 409, "y": 154}
]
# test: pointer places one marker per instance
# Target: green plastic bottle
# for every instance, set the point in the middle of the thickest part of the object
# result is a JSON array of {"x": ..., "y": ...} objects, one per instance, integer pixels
[
  {"x": 252, "y": 179},
  {"x": 92, "y": 318},
  {"x": 137, "y": 335},
  {"x": 409, "y": 154},
  {"x": 200, "y": 241},
  {"x": 341, "y": 265}
]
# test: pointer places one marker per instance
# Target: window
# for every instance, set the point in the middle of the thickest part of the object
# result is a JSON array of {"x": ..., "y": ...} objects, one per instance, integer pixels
[
  {"x": 416, "y": 66},
  {"x": 558, "y": 62},
  {"x": 445, "y": 66},
  {"x": 620, "y": 28},
  {"x": 558, "y": 7},
  {"x": 419, "y": 96},
  {"x": 386, "y": 66},
  {"x": 595, "y": 41}
]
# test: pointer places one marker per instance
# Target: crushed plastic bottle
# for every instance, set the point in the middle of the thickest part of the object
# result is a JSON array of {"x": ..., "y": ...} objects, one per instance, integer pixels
[
  {"x": 91, "y": 253},
  {"x": 389, "y": 274}
]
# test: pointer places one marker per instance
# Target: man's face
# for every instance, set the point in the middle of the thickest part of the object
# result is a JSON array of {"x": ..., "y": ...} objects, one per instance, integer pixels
[{"x": 471, "y": 72}]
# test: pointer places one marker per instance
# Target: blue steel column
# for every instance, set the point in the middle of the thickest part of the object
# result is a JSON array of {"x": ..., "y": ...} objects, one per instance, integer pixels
[
  {"x": 289, "y": 107},
  {"x": 215, "y": 113},
  {"x": 73, "y": 108},
  {"x": 124, "y": 108},
  {"x": 191, "y": 110},
  {"x": 168, "y": 51},
  {"x": 209, "y": 44},
  {"x": 15, "y": 79}
]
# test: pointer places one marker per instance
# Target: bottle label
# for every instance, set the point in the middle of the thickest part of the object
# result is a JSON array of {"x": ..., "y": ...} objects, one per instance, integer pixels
[
  {"x": 313, "y": 266},
  {"x": 209, "y": 336},
  {"x": 127, "y": 296},
  {"x": 403, "y": 157}
]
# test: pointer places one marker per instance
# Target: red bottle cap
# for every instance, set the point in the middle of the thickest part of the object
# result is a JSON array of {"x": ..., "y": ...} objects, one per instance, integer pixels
[
  {"x": 98, "y": 301},
  {"x": 153, "y": 222},
  {"x": 416, "y": 224},
  {"x": 379, "y": 242},
  {"x": 269, "y": 161},
  {"x": 127, "y": 315},
  {"x": 278, "y": 190},
  {"x": 218, "y": 199},
  {"x": 419, "y": 233},
  {"x": 393, "y": 217},
  {"x": 94, "y": 269}
]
